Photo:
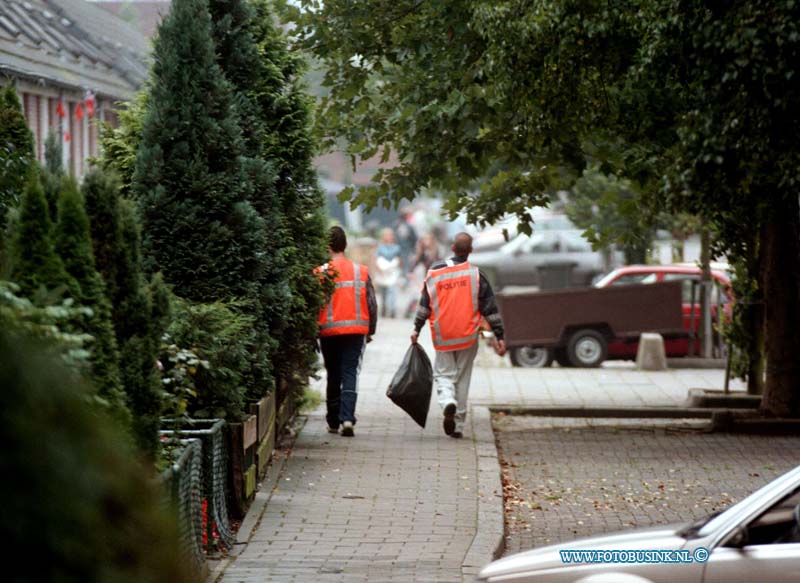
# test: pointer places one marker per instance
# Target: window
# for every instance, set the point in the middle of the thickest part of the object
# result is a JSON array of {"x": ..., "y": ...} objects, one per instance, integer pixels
[
  {"x": 777, "y": 525},
  {"x": 686, "y": 290},
  {"x": 575, "y": 243},
  {"x": 634, "y": 279},
  {"x": 717, "y": 293},
  {"x": 542, "y": 243}
]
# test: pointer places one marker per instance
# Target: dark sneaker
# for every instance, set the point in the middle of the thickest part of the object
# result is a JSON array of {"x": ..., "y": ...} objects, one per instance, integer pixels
[
  {"x": 333, "y": 429},
  {"x": 347, "y": 429},
  {"x": 457, "y": 434},
  {"x": 449, "y": 423}
]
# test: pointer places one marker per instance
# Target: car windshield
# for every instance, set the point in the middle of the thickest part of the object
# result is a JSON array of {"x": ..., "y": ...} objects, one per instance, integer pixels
[
  {"x": 521, "y": 241},
  {"x": 615, "y": 279}
]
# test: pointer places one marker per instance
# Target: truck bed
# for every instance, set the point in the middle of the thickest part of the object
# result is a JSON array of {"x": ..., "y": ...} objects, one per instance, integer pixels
[{"x": 622, "y": 312}]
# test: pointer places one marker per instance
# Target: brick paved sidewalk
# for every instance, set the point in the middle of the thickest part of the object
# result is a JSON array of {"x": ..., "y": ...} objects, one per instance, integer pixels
[
  {"x": 568, "y": 478},
  {"x": 394, "y": 503},
  {"x": 397, "y": 503}
]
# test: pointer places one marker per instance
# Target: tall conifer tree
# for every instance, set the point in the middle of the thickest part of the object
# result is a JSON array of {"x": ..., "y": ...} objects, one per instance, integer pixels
[
  {"x": 73, "y": 244},
  {"x": 287, "y": 142},
  {"x": 35, "y": 263},
  {"x": 190, "y": 180},
  {"x": 16, "y": 150},
  {"x": 255, "y": 57},
  {"x": 138, "y": 320},
  {"x": 52, "y": 172},
  {"x": 238, "y": 57}
]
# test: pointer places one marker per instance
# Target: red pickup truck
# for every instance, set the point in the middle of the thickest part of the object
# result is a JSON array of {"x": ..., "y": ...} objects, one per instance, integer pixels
[{"x": 584, "y": 327}]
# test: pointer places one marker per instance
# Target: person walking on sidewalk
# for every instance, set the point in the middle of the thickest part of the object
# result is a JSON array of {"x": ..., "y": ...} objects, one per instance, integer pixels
[
  {"x": 346, "y": 324},
  {"x": 454, "y": 298}
]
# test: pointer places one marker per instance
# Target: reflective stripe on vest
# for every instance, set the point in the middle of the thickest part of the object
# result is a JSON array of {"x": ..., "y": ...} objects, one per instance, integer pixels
[
  {"x": 462, "y": 317},
  {"x": 353, "y": 313}
]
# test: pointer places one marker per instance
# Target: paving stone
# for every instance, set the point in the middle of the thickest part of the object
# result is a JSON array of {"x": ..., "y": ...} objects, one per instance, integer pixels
[
  {"x": 571, "y": 477},
  {"x": 399, "y": 503}
]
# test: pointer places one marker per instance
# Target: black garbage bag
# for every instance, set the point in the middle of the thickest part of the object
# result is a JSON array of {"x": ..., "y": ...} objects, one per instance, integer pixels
[{"x": 412, "y": 384}]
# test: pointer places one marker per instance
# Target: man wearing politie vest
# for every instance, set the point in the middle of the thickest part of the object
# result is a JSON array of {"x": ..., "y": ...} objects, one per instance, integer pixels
[
  {"x": 346, "y": 323},
  {"x": 454, "y": 298}
]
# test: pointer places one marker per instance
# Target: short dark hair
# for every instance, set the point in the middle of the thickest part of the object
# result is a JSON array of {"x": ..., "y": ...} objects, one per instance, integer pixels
[
  {"x": 462, "y": 244},
  {"x": 337, "y": 240}
]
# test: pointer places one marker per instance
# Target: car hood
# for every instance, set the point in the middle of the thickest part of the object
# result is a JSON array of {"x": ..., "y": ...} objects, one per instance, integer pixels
[{"x": 544, "y": 558}]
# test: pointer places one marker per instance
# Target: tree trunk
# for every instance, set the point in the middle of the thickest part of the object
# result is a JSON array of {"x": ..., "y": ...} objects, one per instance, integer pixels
[
  {"x": 780, "y": 245},
  {"x": 636, "y": 253},
  {"x": 706, "y": 332},
  {"x": 755, "y": 371},
  {"x": 755, "y": 323}
]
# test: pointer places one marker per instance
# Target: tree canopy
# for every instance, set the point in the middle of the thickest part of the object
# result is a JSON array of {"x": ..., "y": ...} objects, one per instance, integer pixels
[{"x": 498, "y": 103}]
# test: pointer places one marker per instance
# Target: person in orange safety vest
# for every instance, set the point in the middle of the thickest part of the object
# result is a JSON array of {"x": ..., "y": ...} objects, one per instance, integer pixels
[
  {"x": 455, "y": 298},
  {"x": 346, "y": 324}
]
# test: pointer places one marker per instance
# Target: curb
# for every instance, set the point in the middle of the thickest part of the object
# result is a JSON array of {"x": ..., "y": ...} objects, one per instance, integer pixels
[
  {"x": 489, "y": 537},
  {"x": 720, "y": 399},
  {"x": 620, "y": 412},
  {"x": 254, "y": 514},
  {"x": 696, "y": 362}
]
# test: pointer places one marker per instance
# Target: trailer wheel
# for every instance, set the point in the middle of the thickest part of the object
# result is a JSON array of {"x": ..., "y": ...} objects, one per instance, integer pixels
[
  {"x": 531, "y": 357},
  {"x": 587, "y": 348}
]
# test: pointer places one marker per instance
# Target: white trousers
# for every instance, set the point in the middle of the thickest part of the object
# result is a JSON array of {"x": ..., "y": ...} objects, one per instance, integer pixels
[{"x": 452, "y": 372}]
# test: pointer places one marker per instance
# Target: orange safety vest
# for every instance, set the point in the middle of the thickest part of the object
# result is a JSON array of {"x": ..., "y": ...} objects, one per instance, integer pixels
[
  {"x": 455, "y": 318},
  {"x": 346, "y": 312}
]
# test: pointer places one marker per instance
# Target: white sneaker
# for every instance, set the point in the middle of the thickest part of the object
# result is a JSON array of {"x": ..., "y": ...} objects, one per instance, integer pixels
[{"x": 347, "y": 429}]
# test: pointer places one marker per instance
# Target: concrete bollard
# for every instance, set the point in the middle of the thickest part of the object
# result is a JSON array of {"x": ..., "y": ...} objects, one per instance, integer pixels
[{"x": 651, "y": 354}]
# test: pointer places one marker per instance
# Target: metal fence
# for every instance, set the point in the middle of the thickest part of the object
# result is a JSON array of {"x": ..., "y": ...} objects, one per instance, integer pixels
[
  {"x": 183, "y": 480},
  {"x": 218, "y": 535}
]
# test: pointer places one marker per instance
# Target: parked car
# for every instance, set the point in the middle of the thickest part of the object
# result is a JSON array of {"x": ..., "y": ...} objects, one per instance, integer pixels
[
  {"x": 494, "y": 237},
  {"x": 586, "y": 328},
  {"x": 757, "y": 539},
  {"x": 550, "y": 258},
  {"x": 687, "y": 273}
]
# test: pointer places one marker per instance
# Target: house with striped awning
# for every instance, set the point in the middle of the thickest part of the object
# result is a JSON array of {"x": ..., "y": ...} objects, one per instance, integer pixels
[{"x": 71, "y": 62}]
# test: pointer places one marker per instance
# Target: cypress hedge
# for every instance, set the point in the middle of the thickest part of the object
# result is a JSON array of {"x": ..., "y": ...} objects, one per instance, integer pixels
[
  {"x": 189, "y": 179},
  {"x": 34, "y": 262},
  {"x": 72, "y": 486},
  {"x": 139, "y": 311},
  {"x": 16, "y": 150},
  {"x": 73, "y": 244}
]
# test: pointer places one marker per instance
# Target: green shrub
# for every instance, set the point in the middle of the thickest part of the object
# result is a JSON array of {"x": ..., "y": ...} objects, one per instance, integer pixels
[
  {"x": 49, "y": 319},
  {"x": 73, "y": 488},
  {"x": 220, "y": 333}
]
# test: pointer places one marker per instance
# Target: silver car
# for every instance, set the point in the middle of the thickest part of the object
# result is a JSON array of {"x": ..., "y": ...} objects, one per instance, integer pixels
[
  {"x": 563, "y": 257},
  {"x": 755, "y": 541}
]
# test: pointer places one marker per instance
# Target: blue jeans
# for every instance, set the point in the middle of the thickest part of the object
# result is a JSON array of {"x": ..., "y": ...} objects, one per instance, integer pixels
[
  {"x": 388, "y": 295},
  {"x": 342, "y": 356}
]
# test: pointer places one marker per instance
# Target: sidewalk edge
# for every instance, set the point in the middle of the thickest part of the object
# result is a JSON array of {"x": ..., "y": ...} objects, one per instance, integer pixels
[
  {"x": 254, "y": 514},
  {"x": 489, "y": 538}
]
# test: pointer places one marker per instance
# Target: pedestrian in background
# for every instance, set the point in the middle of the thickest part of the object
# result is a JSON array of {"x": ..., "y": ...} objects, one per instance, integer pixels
[
  {"x": 406, "y": 236},
  {"x": 346, "y": 324},
  {"x": 388, "y": 270},
  {"x": 427, "y": 253},
  {"x": 454, "y": 298}
]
